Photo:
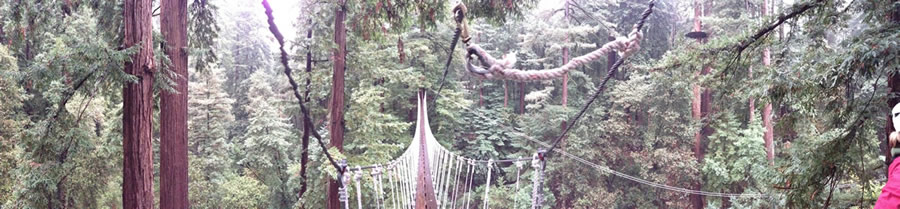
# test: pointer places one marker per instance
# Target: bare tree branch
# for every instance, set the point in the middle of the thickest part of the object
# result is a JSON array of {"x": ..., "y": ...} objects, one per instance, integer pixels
[{"x": 287, "y": 71}]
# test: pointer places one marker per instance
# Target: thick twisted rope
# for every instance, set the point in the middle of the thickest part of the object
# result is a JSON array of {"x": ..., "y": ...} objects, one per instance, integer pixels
[
  {"x": 492, "y": 68},
  {"x": 611, "y": 72}
]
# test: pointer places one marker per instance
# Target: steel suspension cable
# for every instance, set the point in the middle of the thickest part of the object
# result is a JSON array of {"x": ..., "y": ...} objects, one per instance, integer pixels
[
  {"x": 469, "y": 184},
  {"x": 390, "y": 174},
  {"x": 455, "y": 187},
  {"x": 487, "y": 187},
  {"x": 357, "y": 176},
  {"x": 607, "y": 170}
]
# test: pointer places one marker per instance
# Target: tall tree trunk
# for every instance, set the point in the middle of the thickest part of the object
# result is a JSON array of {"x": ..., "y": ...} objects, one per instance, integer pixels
[
  {"x": 699, "y": 109},
  {"x": 173, "y": 155},
  {"x": 505, "y": 95},
  {"x": 565, "y": 78},
  {"x": 751, "y": 101},
  {"x": 3, "y": 37},
  {"x": 612, "y": 57},
  {"x": 137, "y": 185},
  {"x": 481, "y": 94},
  {"x": 304, "y": 156},
  {"x": 769, "y": 135},
  {"x": 336, "y": 124},
  {"x": 521, "y": 97}
]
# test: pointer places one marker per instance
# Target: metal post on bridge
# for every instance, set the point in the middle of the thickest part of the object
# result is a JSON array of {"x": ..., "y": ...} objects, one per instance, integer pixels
[
  {"x": 538, "y": 179},
  {"x": 342, "y": 189}
]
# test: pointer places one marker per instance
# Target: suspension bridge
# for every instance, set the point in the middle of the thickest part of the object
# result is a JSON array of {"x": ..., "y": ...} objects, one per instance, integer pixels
[{"x": 428, "y": 175}]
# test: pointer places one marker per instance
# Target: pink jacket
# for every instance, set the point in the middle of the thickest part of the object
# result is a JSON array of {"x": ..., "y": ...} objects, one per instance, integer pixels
[{"x": 890, "y": 194}]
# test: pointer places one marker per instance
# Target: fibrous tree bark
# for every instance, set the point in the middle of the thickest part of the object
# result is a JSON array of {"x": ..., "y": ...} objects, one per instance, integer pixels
[
  {"x": 769, "y": 134},
  {"x": 173, "y": 155},
  {"x": 521, "y": 97},
  {"x": 137, "y": 185},
  {"x": 336, "y": 123},
  {"x": 699, "y": 110},
  {"x": 481, "y": 94},
  {"x": 565, "y": 78},
  {"x": 751, "y": 102},
  {"x": 505, "y": 94}
]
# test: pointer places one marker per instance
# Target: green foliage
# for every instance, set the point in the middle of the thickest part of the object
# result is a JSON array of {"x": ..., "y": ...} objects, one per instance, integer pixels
[
  {"x": 244, "y": 192},
  {"x": 243, "y": 48},
  {"x": 10, "y": 122},
  {"x": 736, "y": 157},
  {"x": 497, "y": 11},
  {"x": 203, "y": 30},
  {"x": 209, "y": 112},
  {"x": 484, "y": 132},
  {"x": 264, "y": 145},
  {"x": 62, "y": 158},
  {"x": 61, "y": 79}
]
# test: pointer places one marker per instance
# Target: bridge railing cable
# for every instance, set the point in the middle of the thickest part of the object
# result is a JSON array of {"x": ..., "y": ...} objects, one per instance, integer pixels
[{"x": 607, "y": 170}]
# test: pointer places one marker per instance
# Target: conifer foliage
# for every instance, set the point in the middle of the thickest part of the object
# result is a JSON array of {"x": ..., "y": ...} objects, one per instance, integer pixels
[{"x": 183, "y": 104}]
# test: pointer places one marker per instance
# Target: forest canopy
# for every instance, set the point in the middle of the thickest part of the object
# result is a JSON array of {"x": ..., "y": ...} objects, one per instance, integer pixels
[{"x": 258, "y": 104}]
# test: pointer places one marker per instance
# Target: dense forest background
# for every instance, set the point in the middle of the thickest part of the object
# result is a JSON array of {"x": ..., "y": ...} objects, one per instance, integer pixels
[{"x": 787, "y": 99}]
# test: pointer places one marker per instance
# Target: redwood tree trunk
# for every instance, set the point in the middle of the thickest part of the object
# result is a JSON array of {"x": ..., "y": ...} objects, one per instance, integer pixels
[
  {"x": 137, "y": 185},
  {"x": 173, "y": 155},
  {"x": 505, "y": 94},
  {"x": 336, "y": 124},
  {"x": 481, "y": 94},
  {"x": 698, "y": 105},
  {"x": 565, "y": 78},
  {"x": 769, "y": 135},
  {"x": 751, "y": 102},
  {"x": 522, "y": 97}
]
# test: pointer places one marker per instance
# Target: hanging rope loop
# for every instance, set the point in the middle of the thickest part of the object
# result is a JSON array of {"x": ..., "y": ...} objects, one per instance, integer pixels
[{"x": 492, "y": 68}]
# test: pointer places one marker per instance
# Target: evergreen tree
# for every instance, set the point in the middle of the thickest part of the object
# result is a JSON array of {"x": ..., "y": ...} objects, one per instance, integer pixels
[
  {"x": 243, "y": 49},
  {"x": 61, "y": 160},
  {"x": 10, "y": 123},
  {"x": 210, "y": 116},
  {"x": 265, "y": 144}
]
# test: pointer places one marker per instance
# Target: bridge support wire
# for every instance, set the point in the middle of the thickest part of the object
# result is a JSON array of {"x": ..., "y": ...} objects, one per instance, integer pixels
[
  {"x": 357, "y": 177},
  {"x": 487, "y": 187},
  {"x": 609, "y": 171}
]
